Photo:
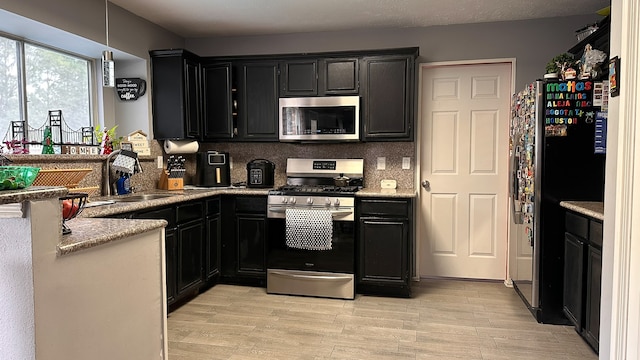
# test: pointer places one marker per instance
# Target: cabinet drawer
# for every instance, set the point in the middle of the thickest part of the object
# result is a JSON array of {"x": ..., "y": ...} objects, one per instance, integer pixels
[
  {"x": 577, "y": 225},
  {"x": 163, "y": 213},
  {"x": 188, "y": 212},
  {"x": 399, "y": 208},
  {"x": 251, "y": 204},
  {"x": 595, "y": 233},
  {"x": 213, "y": 206}
]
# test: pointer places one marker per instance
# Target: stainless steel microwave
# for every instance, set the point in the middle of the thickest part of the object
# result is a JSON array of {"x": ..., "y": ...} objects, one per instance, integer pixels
[{"x": 335, "y": 118}]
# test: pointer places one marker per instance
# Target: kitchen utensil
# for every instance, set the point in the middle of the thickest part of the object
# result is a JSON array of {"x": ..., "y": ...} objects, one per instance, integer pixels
[
  {"x": 260, "y": 173},
  {"x": 341, "y": 180}
]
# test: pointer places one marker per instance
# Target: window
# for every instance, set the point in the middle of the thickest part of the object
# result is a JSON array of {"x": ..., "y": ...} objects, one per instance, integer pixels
[{"x": 34, "y": 80}]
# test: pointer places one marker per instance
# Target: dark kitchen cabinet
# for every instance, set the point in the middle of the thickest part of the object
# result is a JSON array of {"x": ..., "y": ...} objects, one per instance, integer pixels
[
  {"x": 583, "y": 275},
  {"x": 257, "y": 101},
  {"x": 387, "y": 90},
  {"x": 244, "y": 240},
  {"x": 176, "y": 90},
  {"x": 218, "y": 113},
  {"x": 190, "y": 232},
  {"x": 212, "y": 240},
  {"x": 339, "y": 76},
  {"x": 319, "y": 77},
  {"x": 299, "y": 78},
  {"x": 170, "y": 244},
  {"x": 384, "y": 246}
]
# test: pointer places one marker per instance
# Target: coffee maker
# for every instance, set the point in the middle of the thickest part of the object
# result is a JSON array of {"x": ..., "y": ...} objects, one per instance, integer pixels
[{"x": 212, "y": 169}]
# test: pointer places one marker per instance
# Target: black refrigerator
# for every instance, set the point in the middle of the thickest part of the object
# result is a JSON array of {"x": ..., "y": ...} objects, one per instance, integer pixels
[{"x": 553, "y": 158}]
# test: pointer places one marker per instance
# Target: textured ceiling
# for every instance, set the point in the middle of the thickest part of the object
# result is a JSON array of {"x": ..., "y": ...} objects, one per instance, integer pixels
[{"x": 209, "y": 18}]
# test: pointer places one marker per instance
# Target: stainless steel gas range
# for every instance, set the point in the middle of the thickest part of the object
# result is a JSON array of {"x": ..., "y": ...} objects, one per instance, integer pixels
[{"x": 311, "y": 245}]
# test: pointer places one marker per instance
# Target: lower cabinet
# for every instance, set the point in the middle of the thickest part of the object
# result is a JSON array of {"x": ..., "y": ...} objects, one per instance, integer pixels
[
  {"x": 583, "y": 275},
  {"x": 212, "y": 240},
  {"x": 190, "y": 247},
  {"x": 244, "y": 243},
  {"x": 384, "y": 246}
]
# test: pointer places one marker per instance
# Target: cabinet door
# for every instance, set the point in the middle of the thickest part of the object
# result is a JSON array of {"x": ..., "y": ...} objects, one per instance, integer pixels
[
  {"x": 216, "y": 101},
  {"x": 594, "y": 285},
  {"x": 573, "y": 292},
  {"x": 174, "y": 92},
  {"x": 212, "y": 260},
  {"x": 339, "y": 76},
  {"x": 387, "y": 98},
  {"x": 299, "y": 78},
  {"x": 190, "y": 249},
  {"x": 251, "y": 239},
  {"x": 383, "y": 251},
  {"x": 171, "y": 268},
  {"x": 258, "y": 112},
  {"x": 192, "y": 98}
]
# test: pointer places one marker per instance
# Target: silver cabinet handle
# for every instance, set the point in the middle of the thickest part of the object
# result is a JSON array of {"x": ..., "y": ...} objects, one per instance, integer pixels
[{"x": 426, "y": 185}]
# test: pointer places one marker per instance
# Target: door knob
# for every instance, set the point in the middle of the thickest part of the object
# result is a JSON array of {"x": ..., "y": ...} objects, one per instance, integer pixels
[{"x": 426, "y": 185}]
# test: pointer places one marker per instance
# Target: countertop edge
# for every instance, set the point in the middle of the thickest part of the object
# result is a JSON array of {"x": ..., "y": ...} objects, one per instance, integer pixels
[
  {"x": 594, "y": 209},
  {"x": 87, "y": 233},
  {"x": 32, "y": 193}
]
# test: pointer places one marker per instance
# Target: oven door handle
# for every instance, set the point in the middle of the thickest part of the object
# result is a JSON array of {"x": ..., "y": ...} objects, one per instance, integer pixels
[
  {"x": 334, "y": 213},
  {"x": 323, "y": 277}
]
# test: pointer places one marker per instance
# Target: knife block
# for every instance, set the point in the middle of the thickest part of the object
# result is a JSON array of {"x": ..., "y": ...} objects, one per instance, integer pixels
[{"x": 167, "y": 183}]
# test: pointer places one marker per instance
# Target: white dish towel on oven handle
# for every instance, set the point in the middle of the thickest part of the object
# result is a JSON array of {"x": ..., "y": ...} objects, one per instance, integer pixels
[{"x": 309, "y": 229}]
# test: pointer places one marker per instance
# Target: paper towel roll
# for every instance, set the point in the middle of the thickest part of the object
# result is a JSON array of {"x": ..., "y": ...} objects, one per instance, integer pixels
[{"x": 180, "y": 146}]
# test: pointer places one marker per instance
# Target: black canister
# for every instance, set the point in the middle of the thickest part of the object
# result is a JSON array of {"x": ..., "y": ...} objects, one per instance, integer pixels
[{"x": 260, "y": 173}]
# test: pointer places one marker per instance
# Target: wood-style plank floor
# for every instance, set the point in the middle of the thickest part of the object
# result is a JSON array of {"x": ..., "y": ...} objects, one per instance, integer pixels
[{"x": 445, "y": 319}]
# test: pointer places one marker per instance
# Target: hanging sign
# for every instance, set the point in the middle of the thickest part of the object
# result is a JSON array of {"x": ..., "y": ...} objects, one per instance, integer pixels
[{"x": 130, "y": 89}]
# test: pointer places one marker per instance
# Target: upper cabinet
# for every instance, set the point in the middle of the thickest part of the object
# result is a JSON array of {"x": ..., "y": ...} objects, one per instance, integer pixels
[
  {"x": 299, "y": 78},
  {"x": 387, "y": 93},
  {"x": 176, "y": 94},
  {"x": 218, "y": 102},
  {"x": 257, "y": 101},
  {"x": 236, "y": 98}
]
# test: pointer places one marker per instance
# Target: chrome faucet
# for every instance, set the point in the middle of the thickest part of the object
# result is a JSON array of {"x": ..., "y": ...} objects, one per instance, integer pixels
[{"x": 106, "y": 174}]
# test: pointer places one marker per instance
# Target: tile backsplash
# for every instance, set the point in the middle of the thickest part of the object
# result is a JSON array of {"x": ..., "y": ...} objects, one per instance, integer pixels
[{"x": 241, "y": 154}]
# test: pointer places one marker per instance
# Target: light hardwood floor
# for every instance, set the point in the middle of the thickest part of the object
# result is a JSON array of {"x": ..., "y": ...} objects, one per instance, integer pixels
[{"x": 445, "y": 319}]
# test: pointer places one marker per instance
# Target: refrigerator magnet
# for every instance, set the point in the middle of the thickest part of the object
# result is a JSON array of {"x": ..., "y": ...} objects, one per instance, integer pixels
[{"x": 614, "y": 76}]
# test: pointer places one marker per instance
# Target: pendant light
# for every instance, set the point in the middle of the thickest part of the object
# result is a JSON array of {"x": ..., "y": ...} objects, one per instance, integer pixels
[{"x": 108, "y": 66}]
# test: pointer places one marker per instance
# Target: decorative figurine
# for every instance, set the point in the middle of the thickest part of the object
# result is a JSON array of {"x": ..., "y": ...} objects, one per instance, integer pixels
[
  {"x": 590, "y": 62},
  {"x": 47, "y": 142}
]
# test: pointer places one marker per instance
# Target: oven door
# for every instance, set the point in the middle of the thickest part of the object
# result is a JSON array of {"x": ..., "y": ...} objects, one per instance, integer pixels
[{"x": 339, "y": 259}]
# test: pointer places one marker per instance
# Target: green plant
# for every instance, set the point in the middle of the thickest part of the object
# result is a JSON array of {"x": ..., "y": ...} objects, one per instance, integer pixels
[
  {"x": 115, "y": 141},
  {"x": 559, "y": 63}
]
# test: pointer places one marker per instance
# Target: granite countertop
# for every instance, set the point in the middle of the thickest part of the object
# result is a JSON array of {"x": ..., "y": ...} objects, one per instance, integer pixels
[
  {"x": 397, "y": 193},
  {"x": 31, "y": 193},
  {"x": 594, "y": 209},
  {"x": 87, "y": 233}
]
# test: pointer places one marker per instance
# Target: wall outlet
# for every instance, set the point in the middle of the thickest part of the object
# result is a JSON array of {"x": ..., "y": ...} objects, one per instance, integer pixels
[
  {"x": 160, "y": 162},
  {"x": 388, "y": 184},
  {"x": 230, "y": 163},
  {"x": 382, "y": 163},
  {"x": 406, "y": 163}
]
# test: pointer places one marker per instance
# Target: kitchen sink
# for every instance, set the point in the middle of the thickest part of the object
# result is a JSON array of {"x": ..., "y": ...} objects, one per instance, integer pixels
[{"x": 141, "y": 197}]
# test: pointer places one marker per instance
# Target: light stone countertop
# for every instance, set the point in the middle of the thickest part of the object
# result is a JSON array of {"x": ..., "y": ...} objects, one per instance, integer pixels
[
  {"x": 31, "y": 193},
  {"x": 391, "y": 193},
  {"x": 87, "y": 233},
  {"x": 594, "y": 209}
]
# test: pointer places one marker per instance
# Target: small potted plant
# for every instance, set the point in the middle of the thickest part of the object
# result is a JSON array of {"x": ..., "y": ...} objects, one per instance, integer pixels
[{"x": 556, "y": 66}]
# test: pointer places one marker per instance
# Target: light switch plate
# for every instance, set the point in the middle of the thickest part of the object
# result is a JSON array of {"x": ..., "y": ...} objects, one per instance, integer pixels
[
  {"x": 382, "y": 163},
  {"x": 406, "y": 163},
  {"x": 160, "y": 162},
  {"x": 388, "y": 184}
]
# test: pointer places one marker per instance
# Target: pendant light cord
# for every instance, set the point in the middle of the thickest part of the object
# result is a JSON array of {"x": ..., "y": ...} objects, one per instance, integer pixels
[{"x": 106, "y": 15}]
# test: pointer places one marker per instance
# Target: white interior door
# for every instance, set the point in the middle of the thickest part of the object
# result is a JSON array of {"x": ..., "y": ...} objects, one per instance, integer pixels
[{"x": 464, "y": 157}]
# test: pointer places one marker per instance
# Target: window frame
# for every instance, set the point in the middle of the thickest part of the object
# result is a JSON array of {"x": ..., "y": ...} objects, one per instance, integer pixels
[{"x": 22, "y": 93}]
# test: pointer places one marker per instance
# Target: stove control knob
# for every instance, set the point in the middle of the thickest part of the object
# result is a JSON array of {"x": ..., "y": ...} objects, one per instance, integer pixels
[
  {"x": 337, "y": 202},
  {"x": 292, "y": 200},
  {"x": 327, "y": 202},
  {"x": 309, "y": 201},
  {"x": 284, "y": 200}
]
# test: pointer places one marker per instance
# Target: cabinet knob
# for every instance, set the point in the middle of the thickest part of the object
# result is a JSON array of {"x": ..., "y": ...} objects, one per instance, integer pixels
[{"x": 426, "y": 185}]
